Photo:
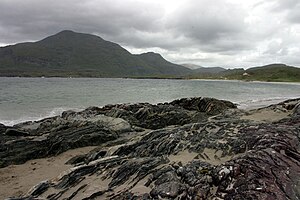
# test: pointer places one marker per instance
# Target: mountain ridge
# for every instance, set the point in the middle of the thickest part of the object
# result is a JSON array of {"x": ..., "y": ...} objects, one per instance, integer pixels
[
  {"x": 72, "y": 54},
  {"x": 69, "y": 53}
]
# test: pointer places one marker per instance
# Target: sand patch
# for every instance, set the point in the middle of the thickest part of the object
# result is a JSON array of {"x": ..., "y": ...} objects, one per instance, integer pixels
[
  {"x": 266, "y": 115},
  {"x": 211, "y": 156},
  {"x": 214, "y": 157},
  {"x": 184, "y": 157},
  {"x": 16, "y": 180}
]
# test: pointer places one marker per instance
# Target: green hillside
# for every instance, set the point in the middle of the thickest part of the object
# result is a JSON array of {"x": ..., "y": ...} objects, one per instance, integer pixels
[
  {"x": 269, "y": 73},
  {"x": 76, "y": 54},
  {"x": 273, "y": 72}
]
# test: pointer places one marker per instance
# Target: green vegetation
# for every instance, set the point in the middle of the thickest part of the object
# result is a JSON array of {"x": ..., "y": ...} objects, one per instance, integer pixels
[
  {"x": 76, "y": 54},
  {"x": 269, "y": 73},
  {"x": 70, "y": 54}
]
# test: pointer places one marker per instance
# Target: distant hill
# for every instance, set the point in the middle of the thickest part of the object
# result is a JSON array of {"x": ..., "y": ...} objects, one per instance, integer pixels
[
  {"x": 68, "y": 53},
  {"x": 272, "y": 72},
  {"x": 161, "y": 65}
]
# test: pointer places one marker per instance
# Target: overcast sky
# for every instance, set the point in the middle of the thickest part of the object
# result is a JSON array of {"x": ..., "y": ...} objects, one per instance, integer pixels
[{"x": 228, "y": 33}]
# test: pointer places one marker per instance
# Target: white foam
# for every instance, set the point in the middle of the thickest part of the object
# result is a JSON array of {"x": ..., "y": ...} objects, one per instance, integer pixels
[
  {"x": 36, "y": 117},
  {"x": 256, "y": 103}
]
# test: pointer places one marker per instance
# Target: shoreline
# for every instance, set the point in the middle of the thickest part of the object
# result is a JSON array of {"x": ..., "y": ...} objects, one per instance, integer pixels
[
  {"x": 244, "y": 105},
  {"x": 113, "y": 157},
  {"x": 155, "y": 78}
]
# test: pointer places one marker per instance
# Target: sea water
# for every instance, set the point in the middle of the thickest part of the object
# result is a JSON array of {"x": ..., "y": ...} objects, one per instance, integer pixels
[{"x": 23, "y": 99}]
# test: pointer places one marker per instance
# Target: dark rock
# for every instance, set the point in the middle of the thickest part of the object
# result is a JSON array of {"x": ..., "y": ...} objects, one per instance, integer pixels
[
  {"x": 220, "y": 158},
  {"x": 39, "y": 189},
  {"x": 76, "y": 159},
  {"x": 167, "y": 190},
  {"x": 296, "y": 110},
  {"x": 20, "y": 150},
  {"x": 14, "y": 132},
  {"x": 210, "y": 106},
  {"x": 141, "y": 167},
  {"x": 2, "y": 128}
]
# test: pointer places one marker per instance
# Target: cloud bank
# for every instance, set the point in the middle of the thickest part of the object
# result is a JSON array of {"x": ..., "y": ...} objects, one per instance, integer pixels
[{"x": 228, "y": 33}]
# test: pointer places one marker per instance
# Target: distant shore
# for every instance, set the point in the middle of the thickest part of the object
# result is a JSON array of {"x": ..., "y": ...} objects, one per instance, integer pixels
[{"x": 158, "y": 77}]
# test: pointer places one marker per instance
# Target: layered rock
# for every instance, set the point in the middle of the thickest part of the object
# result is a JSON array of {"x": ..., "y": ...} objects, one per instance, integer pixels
[
  {"x": 210, "y": 152},
  {"x": 92, "y": 126}
]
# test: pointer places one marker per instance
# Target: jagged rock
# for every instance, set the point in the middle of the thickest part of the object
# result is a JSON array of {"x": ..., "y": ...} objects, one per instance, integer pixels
[
  {"x": 38, "y": 189},
  {"x": 223, "y": 157},
  {"x": 178, "y": 112},
  {"x": 151, "y": 116},
  {"x": 20, "y": 150},
  {"x": 115, "y": 124},
  {"x": 210, "y": 106},
  {"x": 141, "y": 167}
]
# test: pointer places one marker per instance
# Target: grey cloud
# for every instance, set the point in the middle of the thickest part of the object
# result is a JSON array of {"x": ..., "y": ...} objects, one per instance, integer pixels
[
  {"x": 33, "y": 18},
  {"x": 215, "y": 24},
  {"x": 281, "y": 5},
  {"x": 291, "y": 7},
  {"x": 215, "y": 30},
  {"x": 274, "y": 48}
]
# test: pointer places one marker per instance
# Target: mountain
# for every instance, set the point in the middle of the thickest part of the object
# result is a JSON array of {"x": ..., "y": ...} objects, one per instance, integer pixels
[
  {"x": 272, "y": 72},
  {"x": 161, "y": 65},
  {"x": 68, "y": 53}
]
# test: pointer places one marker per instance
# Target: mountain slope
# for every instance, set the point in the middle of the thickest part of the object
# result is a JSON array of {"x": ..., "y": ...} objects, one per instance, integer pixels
[
  {"x": 76, "y": 54},
  {"x": 161, "y": 65}
]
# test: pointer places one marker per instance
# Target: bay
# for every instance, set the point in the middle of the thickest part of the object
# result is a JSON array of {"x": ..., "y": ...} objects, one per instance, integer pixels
[{"x": 23, "y": 99}]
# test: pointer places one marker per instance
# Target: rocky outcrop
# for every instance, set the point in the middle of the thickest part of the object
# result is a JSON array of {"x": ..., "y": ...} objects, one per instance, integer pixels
[
  {"x": 210, "y": 106},
  {"x": 19, "y": 149},
  {"x": 92, "y": 126},
  {"x": 219, "y": 157}
]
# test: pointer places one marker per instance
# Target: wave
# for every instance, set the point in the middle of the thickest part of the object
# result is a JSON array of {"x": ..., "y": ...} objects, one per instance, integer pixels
[
  {"x": 36, "y": 117},
  {"x": 244, "y": 104},
  {"x": 256, "y": 103}
]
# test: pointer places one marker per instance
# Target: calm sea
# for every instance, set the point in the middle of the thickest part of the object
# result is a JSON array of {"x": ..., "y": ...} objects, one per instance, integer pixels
[{"x": 23, "y": 99}]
